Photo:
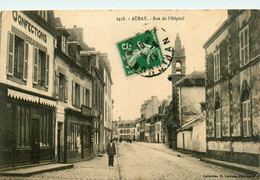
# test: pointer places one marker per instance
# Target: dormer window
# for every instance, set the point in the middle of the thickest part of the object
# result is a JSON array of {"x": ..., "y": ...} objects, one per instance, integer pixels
[
  {"x": 74, "y": 51},
  {"x": 64, "y": 44}
]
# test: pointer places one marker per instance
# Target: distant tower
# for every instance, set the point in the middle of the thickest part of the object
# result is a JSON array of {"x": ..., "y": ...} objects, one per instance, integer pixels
[
  {"x": 178, "y": 72},
  {"x": 178, "y": 63}
]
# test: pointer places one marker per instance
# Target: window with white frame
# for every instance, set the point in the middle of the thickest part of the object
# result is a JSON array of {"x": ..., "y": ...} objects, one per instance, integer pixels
[
  {"x": 77, "y": 95},
  {"x": 218, "y": 123},
  {"x": 217, "y": 66},
  {"x": 246, "y": 113},
  {"x": 218, "y": 116},
  {"x": 86, "y": 97},
  {"x": 63, "y": 87},
  {"x": 17, "y": 62},
  {"x": 64, "y": 44},
  {"x": 244, "y": 46},
  {"x": 41, "y": 65}
]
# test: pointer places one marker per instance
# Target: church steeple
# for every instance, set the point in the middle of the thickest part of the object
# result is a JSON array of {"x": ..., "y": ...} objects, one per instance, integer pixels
[
  {"x": 178, "y": 49},
  {"x": 178, "y": 64},
  {"x": 178, "y": 72}
]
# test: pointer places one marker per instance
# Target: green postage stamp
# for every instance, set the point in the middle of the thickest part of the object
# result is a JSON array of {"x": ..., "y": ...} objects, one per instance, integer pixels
[{"x": 146, "y": 54}]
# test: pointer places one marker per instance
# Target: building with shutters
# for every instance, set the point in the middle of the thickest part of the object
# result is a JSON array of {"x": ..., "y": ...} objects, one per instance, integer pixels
[
  {"x": 96, "y": 67},
  {"x": 160, "y": 126},
  {"x": 98, "y": 101},
  {"x": 73, "y": 91},
  {"x": 108, "y": 101},
  {"x": 232, "y": 89},
  {"x": 137, "y": 132},
  {"x": 148, "y": 109},
  {"x": 27, "y": 106},
  {"x": 115, "y": 130},
  {"x": 126, "y": 130}
]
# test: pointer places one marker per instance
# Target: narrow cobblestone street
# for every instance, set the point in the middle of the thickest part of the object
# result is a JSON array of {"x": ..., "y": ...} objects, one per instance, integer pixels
[
  {"x": 142, "y": 161},
  {"x": 156, "y": 161}
]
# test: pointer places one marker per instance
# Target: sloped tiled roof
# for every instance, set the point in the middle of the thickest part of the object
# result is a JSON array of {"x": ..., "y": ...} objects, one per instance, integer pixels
[{"x": 196, "y": 78}]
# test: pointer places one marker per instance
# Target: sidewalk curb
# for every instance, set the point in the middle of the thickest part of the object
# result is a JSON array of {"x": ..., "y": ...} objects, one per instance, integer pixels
[
  {"x": 48, "y": 168},
  {"x": 244, "y": 168}
]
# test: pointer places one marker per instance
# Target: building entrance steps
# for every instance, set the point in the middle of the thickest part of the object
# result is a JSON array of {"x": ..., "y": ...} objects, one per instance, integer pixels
[
  {"x": 240, "y": 167},
  {"x": 28, "y": 171}
]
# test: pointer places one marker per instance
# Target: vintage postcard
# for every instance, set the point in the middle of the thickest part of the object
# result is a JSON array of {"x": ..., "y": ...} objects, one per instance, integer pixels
[{"x": 130, "y": 94}]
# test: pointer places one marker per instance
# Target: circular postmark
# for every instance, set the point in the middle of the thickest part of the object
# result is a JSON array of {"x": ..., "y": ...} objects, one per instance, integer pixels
[{"x": 148, "y": 54}]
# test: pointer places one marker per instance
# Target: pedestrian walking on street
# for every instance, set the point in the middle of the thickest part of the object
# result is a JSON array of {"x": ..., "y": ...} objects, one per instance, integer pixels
[{"x": 111, "y": 151}]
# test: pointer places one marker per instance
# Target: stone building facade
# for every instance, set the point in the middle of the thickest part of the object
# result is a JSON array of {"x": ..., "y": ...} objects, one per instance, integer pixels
[
  {"x": 137, "y": 132},
  {"x": 115, "y": 130},
  {"x": 126, "y": 129},
  {"x": 27, "y": 106},
  {"x": 98, "y": 101},
  {"x": 191, "y": 135},
  {"x": 148, "y": 109},
  {"x": 232, "y": 89},
  {"x": 108, "y": 101},
  {"x": 73, "y": 91},
  {"x": 51, "y": 91}
]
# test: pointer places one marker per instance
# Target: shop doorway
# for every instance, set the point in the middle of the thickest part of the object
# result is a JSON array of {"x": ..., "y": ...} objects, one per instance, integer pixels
[
  {"x": 59, "y": 142},
  {"x": 35, "y": 141}
]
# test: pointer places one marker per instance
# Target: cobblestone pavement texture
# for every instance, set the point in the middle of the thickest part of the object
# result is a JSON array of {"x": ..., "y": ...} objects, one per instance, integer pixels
[
  {"x": 155, "y": 161},
  {"x": 143, "y": 161}
]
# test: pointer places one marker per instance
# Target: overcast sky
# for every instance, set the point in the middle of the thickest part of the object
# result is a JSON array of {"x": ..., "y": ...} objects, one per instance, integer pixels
[{"x": 103, "y": 31}]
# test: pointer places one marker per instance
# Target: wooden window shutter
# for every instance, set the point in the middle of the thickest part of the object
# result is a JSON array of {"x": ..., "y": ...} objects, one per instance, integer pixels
[
  {"x": 80, "y": 95},
  {"x": 47, "y": 71},
  {"x": 83, "y": 96},
  {"x": 73, "y": 94},
  {"x": 57, "y": 84},
  {"x": 35, "y": 65},
  {"x": 10, "y": 58},
  {"x": 88, "y": 98},
  {"x": 240, "y": 46},
  {"x": 66, "y": 89},
  {"x": 25, "y": 65}
]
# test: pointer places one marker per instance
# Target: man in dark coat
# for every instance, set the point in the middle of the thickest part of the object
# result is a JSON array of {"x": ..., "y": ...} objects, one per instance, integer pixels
[{"x": 111, "y": 151}]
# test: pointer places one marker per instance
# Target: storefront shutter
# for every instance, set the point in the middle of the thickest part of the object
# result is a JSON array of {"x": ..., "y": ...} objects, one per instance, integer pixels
[
  {"x": 10, "y": 58},
  {"x": 25, "y": 66},
  {"x": 57, "y": 84},
  {"x": 73, "y": 94},
  {"x": 66, "y": 89},
  {"x": 35, "y": 65},
  {"x": 47, "y": 70}
]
